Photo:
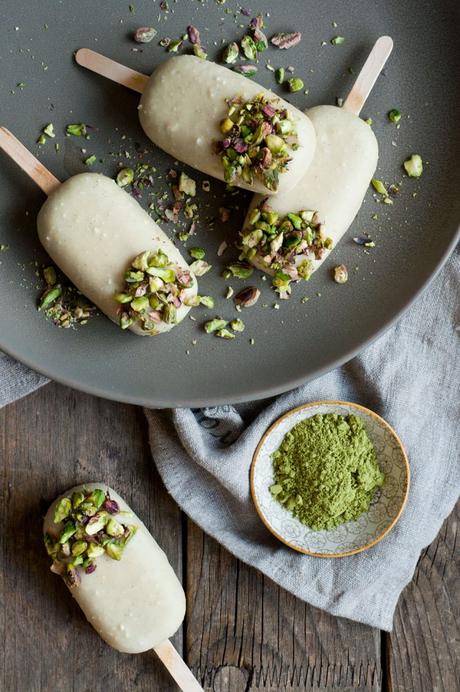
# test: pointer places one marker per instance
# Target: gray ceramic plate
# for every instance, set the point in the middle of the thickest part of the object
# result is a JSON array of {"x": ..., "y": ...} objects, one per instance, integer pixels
[{"x": 301, "y": 340}]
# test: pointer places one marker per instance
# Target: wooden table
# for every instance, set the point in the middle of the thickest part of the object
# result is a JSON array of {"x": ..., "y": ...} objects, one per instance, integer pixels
[{"x": 242, "y": 632}]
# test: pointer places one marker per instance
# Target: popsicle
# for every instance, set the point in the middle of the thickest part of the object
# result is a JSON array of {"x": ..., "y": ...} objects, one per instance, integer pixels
[
  {"x": 290, "y": 234},
  {"x": 110, "y": 248},
  {"x": 117, "y": 573},
  {"x": 217, "y": 121}
]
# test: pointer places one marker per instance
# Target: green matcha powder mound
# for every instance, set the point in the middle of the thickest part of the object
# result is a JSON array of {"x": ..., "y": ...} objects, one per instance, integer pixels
[{"x": 326, "y": 471}]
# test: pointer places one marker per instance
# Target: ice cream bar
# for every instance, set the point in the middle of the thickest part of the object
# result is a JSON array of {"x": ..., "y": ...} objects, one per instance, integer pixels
[
  {"x": 225, "y": 125},
  {"x": 296, "y": 229},
  {"x": 114, "y": 568},
  {"x": 116, "y": 255}
]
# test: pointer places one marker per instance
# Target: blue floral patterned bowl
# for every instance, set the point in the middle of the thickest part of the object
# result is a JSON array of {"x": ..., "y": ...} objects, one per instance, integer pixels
[{"x": 354, "y": 536}]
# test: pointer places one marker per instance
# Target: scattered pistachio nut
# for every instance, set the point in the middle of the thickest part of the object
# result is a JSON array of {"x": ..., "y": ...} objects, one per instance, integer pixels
[
  {"x": 77, "y": 130},
  {"x": 125, "y": 177},
  {"x": 215, "y": 325},
  {"x": 394, "y": 115},
  {"x": 225, "y": 334},
  {"x": 247, "y": 70},
  {"x": 379, "y": 187},
  {"x": 337, "y": 40},
  {"x": 247, "y": 297},
  {"x": 414, "y": 166},
  {"x": 295, "y": 84},
  {"x": 200, "y": 267},
  {"x": 237, "y": 325},
  {"x": 144, "y": 34},
  {"x": 231, "y": 53},
  {"x": 249, "y": 47},
  {"x": 340, "y": 274},
  {"x": 279, "y": 75},
  {"x": 187, "y": 185},
  {"x": 285, "y": 40},
  {"x": 240, "y": 270},
  {"x": 197, "y": 253}
]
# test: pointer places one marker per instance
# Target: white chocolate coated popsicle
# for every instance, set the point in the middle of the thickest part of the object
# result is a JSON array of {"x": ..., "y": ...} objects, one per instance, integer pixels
[
  {"x": 92, "y": 230},
  {"x": 134, "y": 603},
  {"x": 183, "y": 104},
  {"x": 337, "y": 180}
]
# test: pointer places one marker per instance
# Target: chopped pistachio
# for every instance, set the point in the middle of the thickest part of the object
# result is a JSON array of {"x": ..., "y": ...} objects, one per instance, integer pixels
[
  {"x": 90, "y": 160},
  {"x": 231, "y": 53},
  {"x": 41, "y": 139},
  {"x": 199, "y": 52},
  {"x": 187, "y": 185},
  {"x": 284, "y": 40},
  {"x": 79, "y": 547},
  {"x": 241, "y": 271},
  {"x": 67, "y": 532},
  {"x": 114, "y": 528},
  {"x": 414, "y": 166},
  {"x": 247, "y": 297},
  {"x": 295, "y": 84},
  {"x": 114, "y": 549},
  {"x": 62, "y": 510},
  {"x": 96, "y": 523},
  {"x": 279, "y": 75},
  {"x": 249, "y": 47},
  {"x": 49, "y": 296},
  {"x": 125, "y": 177},
  {"x": 77, "y": 130},
  {"x": 340, "y": 274},
  {"x": 200, "y": 267},
  {"x": 144, "y": 34},
  {"x": 49, "y": 274},
  {"x": 394, "y": 115},
  {"x": 207, "y": 301},
  {"x": 215, "y": 325},
  {"x": 379, "y": 187},
  {"x": 247, "y": 70},
  {"x": 337, "y": 40},
  {"x": 95, "y": 550},
  {"x": 229, "y": 292},
  {"x": 369, "y": 121},
  {"x": 237, "y": 325},
  {"x": 197, "y": 253},
  {"x": 225, "y": 334},
  {"x": 49, "y": 130}
]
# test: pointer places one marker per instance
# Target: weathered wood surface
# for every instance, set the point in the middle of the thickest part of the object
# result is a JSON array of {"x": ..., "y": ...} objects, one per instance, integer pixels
[{"x": 242, "y": 632}]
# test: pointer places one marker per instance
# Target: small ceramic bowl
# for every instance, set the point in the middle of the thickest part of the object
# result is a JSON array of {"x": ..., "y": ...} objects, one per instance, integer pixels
[{"x": 354, "y": 536}]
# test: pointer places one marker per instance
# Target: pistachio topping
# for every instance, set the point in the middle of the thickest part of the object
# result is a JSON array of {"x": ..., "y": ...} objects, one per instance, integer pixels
[
  {"x": 295, "y": 84},
  {"x": 231, "y": 53},
  {"x": 394, "y": 115},
  {"x": 154, "y": 290},
  {"x": 287, "y": 245},
  {"x": 86, "y": 528},
  {"x": 256, "y": 142}
]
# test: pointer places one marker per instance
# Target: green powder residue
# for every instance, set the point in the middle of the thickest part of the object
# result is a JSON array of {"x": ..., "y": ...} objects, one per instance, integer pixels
[{"x": 326, "y": 471}]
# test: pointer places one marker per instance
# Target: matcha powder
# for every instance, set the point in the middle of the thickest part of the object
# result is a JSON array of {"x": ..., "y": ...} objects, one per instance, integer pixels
[{"x": 326, "y": 471}]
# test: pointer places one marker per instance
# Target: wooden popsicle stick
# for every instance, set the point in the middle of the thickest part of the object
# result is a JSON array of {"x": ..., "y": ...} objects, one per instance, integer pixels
[
  {"x": 112, "y": 70},
  {"x": 177, "y": 667},
  {"x": 45, "y": 180},
  {"x": 368, "y": 75}
]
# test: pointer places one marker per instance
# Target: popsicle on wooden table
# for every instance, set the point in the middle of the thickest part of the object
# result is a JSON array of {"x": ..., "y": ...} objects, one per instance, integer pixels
[
  {"x": 110, "y": 248},
  {"x": 217, "y": 121},
  {"x": 117, "y": 573},
  {"x": 290, "y": 234}
]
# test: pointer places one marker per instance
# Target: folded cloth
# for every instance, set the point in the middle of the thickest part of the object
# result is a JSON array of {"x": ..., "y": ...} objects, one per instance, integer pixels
[
  {"x": 16, "y": 380},
  {"x": 410, "y": 376}
]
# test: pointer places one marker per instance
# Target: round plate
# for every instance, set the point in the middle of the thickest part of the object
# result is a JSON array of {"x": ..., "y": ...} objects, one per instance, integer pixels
[
  {"x": 302, "y": 339},
  {"x": 354, "y": 536}
]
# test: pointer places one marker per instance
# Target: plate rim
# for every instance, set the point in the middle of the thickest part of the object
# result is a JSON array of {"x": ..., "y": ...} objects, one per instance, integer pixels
[{"x": 329, "y": 402}]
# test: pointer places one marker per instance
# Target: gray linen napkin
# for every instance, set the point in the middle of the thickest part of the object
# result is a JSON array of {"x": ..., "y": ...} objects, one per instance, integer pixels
[{"x": 411, "y": 376}]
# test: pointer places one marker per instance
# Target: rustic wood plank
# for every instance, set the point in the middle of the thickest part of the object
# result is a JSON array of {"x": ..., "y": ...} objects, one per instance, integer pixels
[
  {"x": 423, "y": 650},
  {"x": 245, "y": 633},
  {"x": 49, "y": 441}
]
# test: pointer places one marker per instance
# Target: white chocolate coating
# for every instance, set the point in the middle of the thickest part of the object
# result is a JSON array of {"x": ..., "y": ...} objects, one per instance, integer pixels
[
  {"x": 134, "y": 603},
  {"x": 335, "y": 184},
  {"x": 183, "y": 105},
  {"x": 92, "y": 229}
]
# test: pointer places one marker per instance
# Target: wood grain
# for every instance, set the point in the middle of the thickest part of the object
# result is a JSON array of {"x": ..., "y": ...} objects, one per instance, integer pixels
[
  {"x": 245, "y": 633},
  {"x": 424, "y": 650},
  {"x": 242, "y": 632},
  {"x": 52, "y": 440}
]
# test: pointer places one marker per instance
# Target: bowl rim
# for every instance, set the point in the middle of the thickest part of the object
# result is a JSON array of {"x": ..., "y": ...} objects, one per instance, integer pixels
[{"x": 361, "y": 409}]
